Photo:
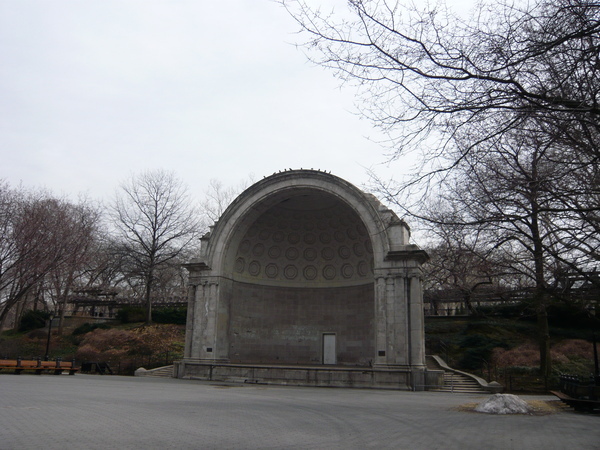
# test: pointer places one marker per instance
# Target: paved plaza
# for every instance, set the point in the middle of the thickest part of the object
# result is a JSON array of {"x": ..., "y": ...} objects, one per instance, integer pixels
[{"x": 105, "y": 412}]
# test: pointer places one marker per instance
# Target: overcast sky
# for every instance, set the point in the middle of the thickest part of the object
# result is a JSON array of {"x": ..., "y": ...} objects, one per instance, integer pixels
[{"x": 92, "y": 91}]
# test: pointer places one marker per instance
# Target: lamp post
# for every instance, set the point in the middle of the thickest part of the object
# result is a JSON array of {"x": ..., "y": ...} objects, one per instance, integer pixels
[
  {"x": 49, "y": 334},
  {"x": 596, "y": 368}
]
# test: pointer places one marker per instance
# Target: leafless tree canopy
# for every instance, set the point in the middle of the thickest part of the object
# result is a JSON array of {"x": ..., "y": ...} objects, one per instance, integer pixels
[
  {"x": 217, "y": 197},
  {"x": 426, "y": 74},
  {"x": 54, "y": 250},
  {"x": 43, "y": 241},
  {"x": 155, "y": 224}
]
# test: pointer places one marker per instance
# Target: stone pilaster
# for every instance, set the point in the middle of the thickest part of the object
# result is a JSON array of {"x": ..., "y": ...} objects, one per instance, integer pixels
[
  {"x": 209, "y": 341},
  {"x": 189, "y": 327},
  {"x": 391, "y": 320},
  {"x": 399, "y": 318},
  {"x": 417, "y": 320}
]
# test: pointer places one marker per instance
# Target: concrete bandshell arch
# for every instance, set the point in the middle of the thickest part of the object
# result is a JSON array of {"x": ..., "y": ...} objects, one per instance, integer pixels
[
  {"x": 395, "y": 335},
  {"x": 387, "y": 232}
]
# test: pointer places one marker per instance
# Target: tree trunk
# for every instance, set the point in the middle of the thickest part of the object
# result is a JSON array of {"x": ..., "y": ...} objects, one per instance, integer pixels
[
  {"x": 63, "y": 303},
  {"x": 541, "y": 294},
  {"x": 543, "y": 337},
  {"x": 148, "y": 293},
  {"x": 468, "y": 304}
]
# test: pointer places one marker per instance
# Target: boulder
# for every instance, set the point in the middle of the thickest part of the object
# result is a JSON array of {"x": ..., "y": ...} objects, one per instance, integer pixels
[{"x": 504, "y": 404}]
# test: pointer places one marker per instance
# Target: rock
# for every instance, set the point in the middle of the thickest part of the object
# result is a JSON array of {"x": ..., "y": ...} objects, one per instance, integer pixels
[
  {"x": 504, "y": 404},
  {"x": 140, "y": 372}
]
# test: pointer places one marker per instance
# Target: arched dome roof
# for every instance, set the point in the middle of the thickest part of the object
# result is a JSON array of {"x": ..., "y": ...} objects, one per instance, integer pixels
[{"x": 301, "y": 226}]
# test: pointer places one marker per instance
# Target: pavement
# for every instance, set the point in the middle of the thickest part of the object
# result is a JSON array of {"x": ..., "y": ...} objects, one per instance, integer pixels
[{"x": 105, "y": 412}]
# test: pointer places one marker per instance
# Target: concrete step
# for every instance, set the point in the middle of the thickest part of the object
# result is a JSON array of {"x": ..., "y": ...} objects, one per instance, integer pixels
[
  {"x": 460, "y": 382},
  {"x": 463, "y": 385},
  {"x": 461, "y": 390},
  {"x": 162, "y": 372},
  {"x": 455, "y": 382}
]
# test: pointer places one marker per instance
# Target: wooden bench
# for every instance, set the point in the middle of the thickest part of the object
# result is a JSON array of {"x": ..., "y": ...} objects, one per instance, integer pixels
[
  {"x": 579, "y": 404},
  {"x": 38, "y": 366}
]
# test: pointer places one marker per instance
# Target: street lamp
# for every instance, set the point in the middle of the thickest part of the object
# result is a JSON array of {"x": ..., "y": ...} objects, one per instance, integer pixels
[{"x": 49, "y": 333}]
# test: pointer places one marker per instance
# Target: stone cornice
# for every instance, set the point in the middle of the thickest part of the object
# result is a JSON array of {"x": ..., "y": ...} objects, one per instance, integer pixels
[
  {"x": 196, "y": 266},
  {"x": 415, "y": 254}
]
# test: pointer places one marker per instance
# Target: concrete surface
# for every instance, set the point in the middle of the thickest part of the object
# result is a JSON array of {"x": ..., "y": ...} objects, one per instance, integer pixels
[{"x": 103, "y": 412}]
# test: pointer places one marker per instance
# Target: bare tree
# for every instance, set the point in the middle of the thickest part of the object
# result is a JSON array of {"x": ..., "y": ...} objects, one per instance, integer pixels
[
  {"x": 459, "y": 263},
  {"x": 503, "y": 108},
  {"x": 9, "y": 256},
  {"x": 155, "y": 222},
  {"x": 217, "y": 197},
  {"x": 81, "y": 224},
  {"x": 36, "y": 239},
  {"x": 425, "y": 74},
  {"x": 105, "y": 269},
  {"x": 510, "y": 194}
]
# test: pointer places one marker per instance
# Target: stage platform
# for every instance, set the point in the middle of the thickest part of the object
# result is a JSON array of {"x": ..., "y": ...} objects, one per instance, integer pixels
[{"x": 306, "y": 375}]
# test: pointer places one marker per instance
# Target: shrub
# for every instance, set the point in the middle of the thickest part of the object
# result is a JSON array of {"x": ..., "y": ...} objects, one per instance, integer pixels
[
  {"x": 33, "y": 320},
  {"x": 507, "y": 310},
  {"x": 114, "y": 344},
  {"x": 524, "y": 355},
  {"x": 570, "y": 315},
  {"x": 131, "y": 314},
  {"x": 528, "y": 353},
  {"x": 37, "y": 334},
  {"x": 170, "y": 315},
  {"x": 87, "y": 327},
  {"x": 478, "y": 348},
  {"x": 574, "y": 348},
  {"x": 107, "y": 344}
]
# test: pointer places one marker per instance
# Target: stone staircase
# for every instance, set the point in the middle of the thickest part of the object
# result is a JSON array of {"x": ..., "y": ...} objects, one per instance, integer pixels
[
  {"x": 455, "y": 381},
  {"x": 160, "y": 372}
]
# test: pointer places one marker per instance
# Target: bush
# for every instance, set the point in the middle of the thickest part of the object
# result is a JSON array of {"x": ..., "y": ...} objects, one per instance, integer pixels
[
  {"x": 87, "y": 327},
  {"x": 32, "y": 320},
  {"x": 115, "y": 344},
  {"x": 571, "y": 355},
  {"x": 507, "y": 310},
  {"x": 478, "y": 349},
  {"x": 524, "y": 355},
  {"x": 175, "y": 316},
  {"x": 570, "y": 315},
  {"x": 131, "y": 314}
]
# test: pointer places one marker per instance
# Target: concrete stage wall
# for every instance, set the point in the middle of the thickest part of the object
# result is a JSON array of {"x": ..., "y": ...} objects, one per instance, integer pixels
[{"x": 350, "y": 377}]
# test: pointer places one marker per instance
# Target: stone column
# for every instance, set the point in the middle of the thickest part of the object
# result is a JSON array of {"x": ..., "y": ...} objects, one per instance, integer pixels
[
  {"x": 391, "y": 321},
  {"x": 209, "y": 340},
  {"x": 417, "y": 320},
  {"x": 189, "y": 327},
  {"x": 399, "y": 317},
  {"x": 381, "y": 325},
  {"x": 208, "y": 316}
]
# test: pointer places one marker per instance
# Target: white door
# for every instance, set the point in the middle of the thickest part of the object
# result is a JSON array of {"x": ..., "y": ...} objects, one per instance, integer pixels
[{"x": 329, "y": 356}]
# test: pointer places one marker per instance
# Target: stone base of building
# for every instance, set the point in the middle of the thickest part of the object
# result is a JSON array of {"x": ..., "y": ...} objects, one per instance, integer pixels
[{"x": 315, "y": 376}]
